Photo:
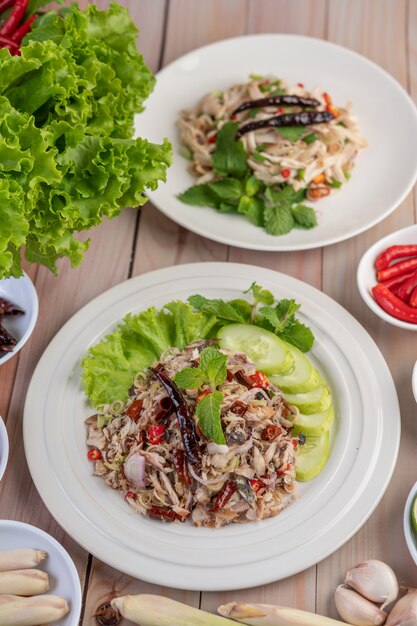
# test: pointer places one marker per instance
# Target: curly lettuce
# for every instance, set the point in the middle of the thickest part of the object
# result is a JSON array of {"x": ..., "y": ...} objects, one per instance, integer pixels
[{"x": 67, "y": 157}]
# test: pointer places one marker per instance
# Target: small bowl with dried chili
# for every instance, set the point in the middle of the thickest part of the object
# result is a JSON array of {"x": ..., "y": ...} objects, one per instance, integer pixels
[
  {"x": 18, "y": 314},
  {"x": 387, "y": 278}
]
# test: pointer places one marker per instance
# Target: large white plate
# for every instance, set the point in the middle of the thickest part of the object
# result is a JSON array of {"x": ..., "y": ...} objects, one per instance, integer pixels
[
  {"x": 385, "y": 171},
  {"x": 331, "y": 508}
]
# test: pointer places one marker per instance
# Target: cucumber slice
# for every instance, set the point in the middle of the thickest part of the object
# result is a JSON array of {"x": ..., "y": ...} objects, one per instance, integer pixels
[
  {"x": 303, "y": 377},
  {"x": 312, "y": 457},
  {"x": 267, "y": 351},
  {"x": 317, "y": 400},
  {"x": 315, "y": 424}
]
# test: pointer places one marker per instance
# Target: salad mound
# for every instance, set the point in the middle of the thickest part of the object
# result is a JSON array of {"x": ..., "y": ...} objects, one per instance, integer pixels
[
  {"x": 204, "y": 436},
  {"x": 67, "y": 157}
]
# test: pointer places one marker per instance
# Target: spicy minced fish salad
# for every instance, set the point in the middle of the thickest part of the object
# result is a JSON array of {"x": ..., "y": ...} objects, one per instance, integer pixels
[
  {"x": 204, "y": 437},
  {"x": 260, "y": 148}
]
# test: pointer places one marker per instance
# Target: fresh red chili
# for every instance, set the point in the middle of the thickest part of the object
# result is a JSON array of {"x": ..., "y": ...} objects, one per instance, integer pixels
[
  {"x": 202, "y": 395},
  {"x": 23, "y": 30},
  {"x": 15, "y": 17},
  {"x": 130, "y": 495},
  {"x": 405, "y": 289},
  {"x": 413, "y": 298},
  {"x": 393, "y": 305},
  {"x": 397, "y": 270},
  {"x": 212, "y": 139},
  {"x": 294, "y": 442},
  {"x": 285, "y": 173},
  {"x": 282, "y": 472},
  {"x": 6, "y": 4},
  {"x": 394, "y": 252},
  {"x": 159, "y": 512},
  {"x": 258, "y": 379},
  {"x": 257, "y": 485},
  {"x": 134, "y": 410},
  {"x": 94, "y": 454},
  {"x": 180, "y": 464},
  {"x": 224, "y": 496},
  {"x": 271, "y": 432},
  {"x": 396, "y": 281},
  {"x": 239, "y": 408},
  {"x": 155, "y": 434},
  {"x": 6, "y": 42}
]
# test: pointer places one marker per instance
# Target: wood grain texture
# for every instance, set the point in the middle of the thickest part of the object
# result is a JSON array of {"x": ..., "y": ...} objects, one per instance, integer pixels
[{"x": 303, "y": 17}]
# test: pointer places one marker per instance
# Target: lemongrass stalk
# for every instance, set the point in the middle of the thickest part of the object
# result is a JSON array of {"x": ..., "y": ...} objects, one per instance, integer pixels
[
  {"x": 24, "y": 582},
  {"x": 149, "y": 610},
  {"x": 270, "y": 615},
  {"x": 21, "y": 558},
  {"x": 33, "y": 611}
]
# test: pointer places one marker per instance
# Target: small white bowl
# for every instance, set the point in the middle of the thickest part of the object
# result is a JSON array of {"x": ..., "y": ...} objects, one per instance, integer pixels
[
  {"x": 409, "y": 532},
  {"x": 4, "y": 447},
  {"x": 366, "y": 276},
  {"x": 414, "y": 381},
  {"x": 22, "y": 293},
  {"x": 63, "y": 576}
]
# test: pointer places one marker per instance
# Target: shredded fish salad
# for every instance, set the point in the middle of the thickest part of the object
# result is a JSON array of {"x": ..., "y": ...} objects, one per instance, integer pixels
[
  {"x": 153, "y": 450},
  {"x": 313, "y": 156}
]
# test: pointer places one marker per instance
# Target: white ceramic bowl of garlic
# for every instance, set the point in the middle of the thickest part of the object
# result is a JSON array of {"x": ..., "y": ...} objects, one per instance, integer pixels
[{"x": 57, "y": 564}]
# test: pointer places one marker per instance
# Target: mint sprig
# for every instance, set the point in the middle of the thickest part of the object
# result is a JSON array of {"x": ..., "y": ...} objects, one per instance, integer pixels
[
  {"x": 208, "y": 414},
  {"x": 211, "y": 371}
]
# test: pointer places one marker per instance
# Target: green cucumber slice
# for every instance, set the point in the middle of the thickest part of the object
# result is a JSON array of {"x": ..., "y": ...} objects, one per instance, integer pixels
[
  {"x": 317, "y": 400},
  {"x": 315, "y": 424},
  {"x": 303, "y": 377},
  {"x": 267, "y": 351},
  {"x": 312, "y": 457}
]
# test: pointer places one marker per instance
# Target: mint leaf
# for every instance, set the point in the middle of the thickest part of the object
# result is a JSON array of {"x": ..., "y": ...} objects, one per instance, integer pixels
[
  {"x": 310, "y": 138},
  {"x": 213, "y": 365},
  {"x": 225, "y": 310},
  {"x": 278, "y": 219},
  {"x": 200, "y": 195},
  {"x": 279, "y": 315},
  {"x": 252, "y": 208},
  {"x": 229, "y": 156},
  {"x": 260, "y": 294},
  {"x": 291, "y": 133},
  {"x": 190, "y": 378},
  {"x": 304, "y": 216},
  {"x": 299, "y": 335},
  {"x": 208, "y": 413},
  {"x": 252, "y": 185},
  {"x": 228, "y": 189}
]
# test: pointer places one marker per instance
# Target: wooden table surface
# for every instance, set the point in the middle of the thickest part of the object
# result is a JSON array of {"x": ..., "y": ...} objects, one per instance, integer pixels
[{"x": 139, "y": 241}]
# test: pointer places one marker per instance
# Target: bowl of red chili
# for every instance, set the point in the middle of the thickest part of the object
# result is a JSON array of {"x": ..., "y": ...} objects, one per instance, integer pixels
[{"x": 387, "y": 278}]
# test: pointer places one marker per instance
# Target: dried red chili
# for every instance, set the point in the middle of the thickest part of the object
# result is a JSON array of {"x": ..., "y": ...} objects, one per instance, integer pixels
[
  {"x": 134, "y": 410},
  {"x": 159, "y": 512},
  {"x": 239, "y": 408},
  {"x": 271, "y": 432},
  {"x": 180, "y": 464},
  {"x": 224, "y": 496}
]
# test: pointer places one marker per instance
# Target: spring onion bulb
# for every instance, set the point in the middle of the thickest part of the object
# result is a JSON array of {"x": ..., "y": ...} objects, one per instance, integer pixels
[
  {"x": 22, "y": 558},
  {"x": 269, "y": 615},
  {"x": 149, "y": 610},
  {"x": 24, "y": 582},
  {"x": 33, "y": 611}
]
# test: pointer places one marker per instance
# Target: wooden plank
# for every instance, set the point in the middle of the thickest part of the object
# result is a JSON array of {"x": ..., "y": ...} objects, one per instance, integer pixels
[
  {"x": 304, "y": 17},
  {"x": 376, "y": 29}
]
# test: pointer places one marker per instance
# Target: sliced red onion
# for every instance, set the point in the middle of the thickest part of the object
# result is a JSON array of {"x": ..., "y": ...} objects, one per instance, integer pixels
[
  {"x": 205, "y": 481},
  {"x": 272, "y": 480},
  {"x": 134, "y": 469}
]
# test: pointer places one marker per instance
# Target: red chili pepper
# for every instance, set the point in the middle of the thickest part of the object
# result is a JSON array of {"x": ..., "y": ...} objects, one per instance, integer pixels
[
  {"x": 180, "y": 464},
  {"x": 6, "y": 4},
  {"x": 23, "y": 30},
  {"x": 327, "y": 98},
  {"x": 271, "y": 432},
  {"x": 155, "y": 434},
  {"x": 239, "y": 408},
  {"x": 230, "y": 376},
  {"x": 257, "y": 485},
  {"x": 202, "y": 395},
  {"x": 286, "y": 173},
  {"x": 164, "y": 410},
  {"x": 282, "y": 472},
  {"x": 258, "y": 379},
  {"x": 159, "y": 512},
  {"x": 393, "y": 305},
  {"x": 396, "y": 270},
  {"x": 404, "y": 291},
  {"x": 396, "y": 281},
  {"x": 94, "y": 454},
  {"x": 224, "y": 496},
  {"x": 6, "y": 42},
  {"x": 212, "y": 139},
  {"x": 394, "y": 252},
  {"x": 130, "y": 495},
  {"x": 413, "y": 298},
  {"x": 301, "y": 85},
  {"x": 15, "y": 17},
  {"x": 294, "y": 442},
  {"x": 134, "y": 410},
  {"x": 316, "y": 193}
]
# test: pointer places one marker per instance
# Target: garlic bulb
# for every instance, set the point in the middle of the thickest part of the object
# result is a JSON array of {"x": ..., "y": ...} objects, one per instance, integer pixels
[
  {"x": 404, "y": 611},
  {"x": 374, "y": 580},
  {"x": 357, "y": 610}
]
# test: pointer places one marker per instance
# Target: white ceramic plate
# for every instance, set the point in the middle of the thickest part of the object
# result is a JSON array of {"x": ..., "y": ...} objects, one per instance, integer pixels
[
  {"x": 385, "y": 171},
  {"x": 4, "y": 447},
  {"x": 58, "y": 564},
  {"x": 22, "y": 293},
  {"x": 331, "y": 508},
  {"x": 409, "y": 532},
  {"x": 366, "y": 278}
]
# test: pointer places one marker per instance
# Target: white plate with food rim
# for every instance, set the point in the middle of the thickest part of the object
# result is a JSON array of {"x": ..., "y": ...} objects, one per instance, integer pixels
[
  {"x": 331, "y": 508},
  {"x": 385, "y": 171}
]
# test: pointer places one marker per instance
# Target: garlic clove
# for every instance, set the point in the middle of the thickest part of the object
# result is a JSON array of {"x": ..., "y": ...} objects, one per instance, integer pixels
[
  {"x": 357, "y": 610},
  {"x": 374, "y": 580},
  {"x": 404, "y": 612}
]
